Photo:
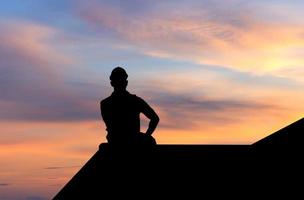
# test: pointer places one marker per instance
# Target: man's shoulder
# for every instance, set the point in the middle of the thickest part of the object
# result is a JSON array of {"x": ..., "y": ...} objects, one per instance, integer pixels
[
  {"x": 132, "y": 97},
  {"x": 136, "y": 98},
  {"x": 105, "y": 101}
]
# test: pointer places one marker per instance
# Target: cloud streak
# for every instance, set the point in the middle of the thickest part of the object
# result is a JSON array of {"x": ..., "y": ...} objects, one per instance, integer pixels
[
  {"x": 181, "y": 111},
  {"x": 35, "y": 90},
  {"x": 32, "y": 83},
  {"x": 34, "y": 87},
  {"x": 4, "y": 184},
  {"x": 60, "y": 167},
  {"x": 233, "y": 35}
]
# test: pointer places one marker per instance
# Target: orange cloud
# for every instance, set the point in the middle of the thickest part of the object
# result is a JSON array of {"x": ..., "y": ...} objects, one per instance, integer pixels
[
  {"x": 29, "y": 150},
  {"x": 32, "y": 41}
]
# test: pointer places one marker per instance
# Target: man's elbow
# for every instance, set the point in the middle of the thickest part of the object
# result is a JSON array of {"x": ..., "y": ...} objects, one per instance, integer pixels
[{"x": 155, "y": 119}]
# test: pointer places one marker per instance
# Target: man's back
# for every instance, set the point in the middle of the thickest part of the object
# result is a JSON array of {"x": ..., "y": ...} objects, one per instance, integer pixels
[{"x": 121, "y": 115}]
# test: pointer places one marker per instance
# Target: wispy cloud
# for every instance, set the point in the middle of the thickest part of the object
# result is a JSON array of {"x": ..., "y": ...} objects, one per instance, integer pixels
[
  {"x": 32, "y": 82},
  {"x": 60, "y": 167},
  {"x": 181, "y": 111},
  {"x": 232, "y": 35},
  {"x": 35, "y": 90}
]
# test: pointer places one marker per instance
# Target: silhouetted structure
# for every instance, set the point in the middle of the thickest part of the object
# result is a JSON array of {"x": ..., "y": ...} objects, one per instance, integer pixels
[
  {"x": 173, "y": 170},
  {"x": 290, "y": 137}
]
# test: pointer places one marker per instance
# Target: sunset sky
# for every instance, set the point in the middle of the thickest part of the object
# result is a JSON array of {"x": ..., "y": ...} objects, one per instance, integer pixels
[{"x": 217, "y": 72}]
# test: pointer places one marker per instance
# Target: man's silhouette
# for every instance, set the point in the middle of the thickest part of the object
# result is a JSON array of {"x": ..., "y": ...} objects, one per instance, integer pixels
[{"x": 121, "y": 114}]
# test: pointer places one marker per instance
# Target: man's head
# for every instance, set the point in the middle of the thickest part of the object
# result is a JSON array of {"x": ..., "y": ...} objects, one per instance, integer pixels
[{"x": 118, "y": 78}]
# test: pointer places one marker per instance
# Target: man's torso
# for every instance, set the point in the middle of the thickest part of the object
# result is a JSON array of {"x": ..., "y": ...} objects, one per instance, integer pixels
[{"x": 121, "y": 113}]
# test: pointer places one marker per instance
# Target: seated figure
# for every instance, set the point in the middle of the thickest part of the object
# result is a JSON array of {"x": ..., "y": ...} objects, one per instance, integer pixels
[{"x": 121, "y": 114}]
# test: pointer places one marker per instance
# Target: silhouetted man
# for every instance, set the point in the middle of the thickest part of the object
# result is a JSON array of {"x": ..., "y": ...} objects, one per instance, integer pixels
[{"x": 121, "y": 114}]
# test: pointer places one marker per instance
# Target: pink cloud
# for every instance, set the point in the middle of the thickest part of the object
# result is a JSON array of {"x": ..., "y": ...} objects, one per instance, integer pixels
[
  {"x": 235, "y": 38},
  {"x": 32, "y": 81}
]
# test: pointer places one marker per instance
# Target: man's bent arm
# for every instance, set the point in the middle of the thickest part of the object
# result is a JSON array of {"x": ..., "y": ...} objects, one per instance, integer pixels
[
  {"x": 150, "y": 114},
  {"x": 152, "y": 125}
]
